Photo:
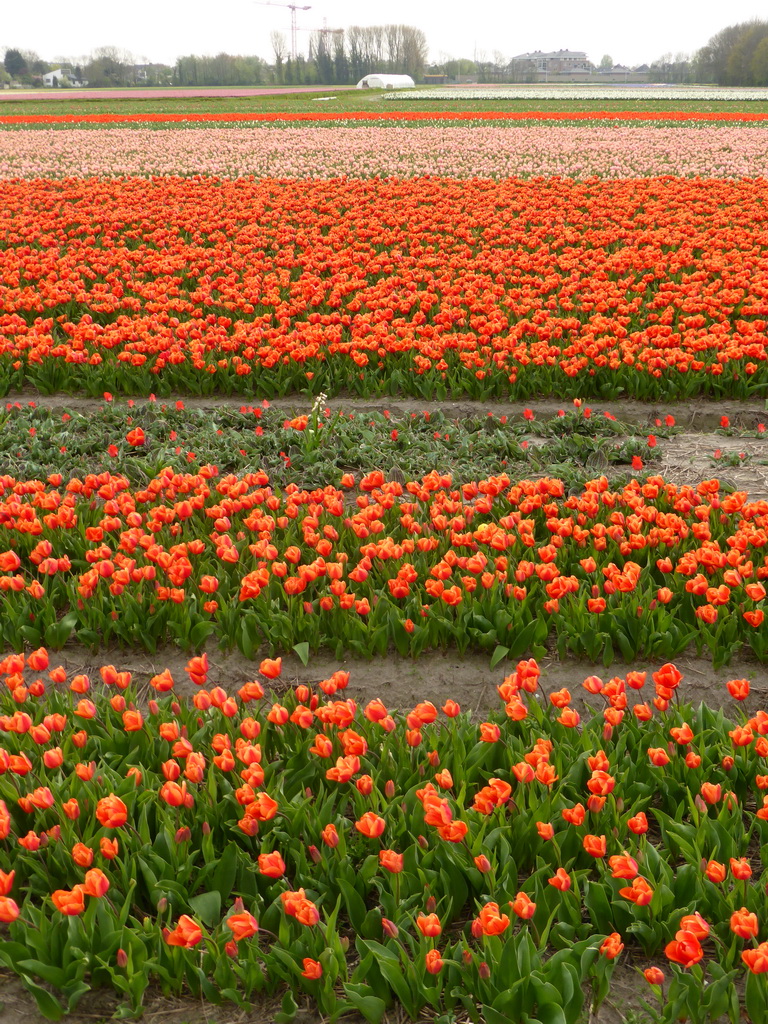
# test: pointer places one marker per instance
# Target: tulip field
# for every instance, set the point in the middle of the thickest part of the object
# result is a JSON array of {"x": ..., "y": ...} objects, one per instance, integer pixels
[{"x": 295, "y": 390}]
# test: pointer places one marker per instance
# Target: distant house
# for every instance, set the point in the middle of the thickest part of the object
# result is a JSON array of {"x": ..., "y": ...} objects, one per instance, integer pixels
[
  {"x": 558, "y": 62},
  {"x": 151, "y": 74},
  {"x": 61, "y": 77},
  {"x": 386, "y": 82}
]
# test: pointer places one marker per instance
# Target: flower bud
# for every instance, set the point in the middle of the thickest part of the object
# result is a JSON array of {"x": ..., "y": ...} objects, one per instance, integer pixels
[
  {"x": 431, "y": 905},
  {"x": 162, "y": 905},
  {"x": 314, "y": 854},
  {"x": 183, "y": 835},
  {"x": 389, "y": 928},
  {"x": 122, "y": 958},
  {"x": 389, "y": 789},
  {"x": 344, "y": 942},
  {"x": 231, "y": 948},
  {"x": 467, "y": 957},
  {"x": 423, "y": 842},
  {"x": 154, "y": 707},
  {"x": 206, "y": 828},
  {"x": 484, "y": 970}
]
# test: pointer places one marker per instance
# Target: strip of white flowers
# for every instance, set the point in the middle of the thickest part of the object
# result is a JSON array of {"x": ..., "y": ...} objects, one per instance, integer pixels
[{"x": 582, "y": 92}]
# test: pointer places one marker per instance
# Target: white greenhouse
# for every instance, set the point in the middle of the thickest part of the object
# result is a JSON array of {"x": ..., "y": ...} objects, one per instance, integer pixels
[{"x": 386, "y": 82}]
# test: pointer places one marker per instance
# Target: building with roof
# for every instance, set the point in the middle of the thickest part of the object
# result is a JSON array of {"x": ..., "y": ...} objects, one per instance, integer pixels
[{"x": 558, "y": 62}]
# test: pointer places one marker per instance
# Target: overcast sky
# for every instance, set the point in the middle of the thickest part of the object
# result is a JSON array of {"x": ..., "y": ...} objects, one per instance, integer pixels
[{"x": 161, "y": 30}]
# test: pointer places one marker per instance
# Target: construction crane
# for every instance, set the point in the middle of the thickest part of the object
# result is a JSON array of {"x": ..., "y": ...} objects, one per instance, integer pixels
[
  {"x": 324, "y": 33},
  {"x": 293, "y": 9}
]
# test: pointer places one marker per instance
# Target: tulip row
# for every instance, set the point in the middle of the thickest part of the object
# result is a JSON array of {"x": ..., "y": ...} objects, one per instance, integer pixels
[
  {"x": 317, "y": 445},
  {"x": 647, "y": 288},
  {"x": 289, "y": 117},
  {"x": 639, "y": 93},
  {"x": 650, "y": 568},
  {"x": 233, "y": 845},
  {"x": 458, "y": 150}
]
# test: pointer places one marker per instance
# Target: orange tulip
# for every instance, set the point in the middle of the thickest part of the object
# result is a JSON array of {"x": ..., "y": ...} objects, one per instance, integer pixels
[
  {"x": 313, "y": 969},
  {"x": 744, "y": 923},
  {"x": 612, "y": 946},
  {"x": 271, "y": 865},
  {"x": 715, "y": 871},
  {"x": 696, "y": 925},
  {"x": 391, "y": 861},
  {"x": 187, "y": 933},
  {"x": 111, "y": 812},
  {"x": 109, "y": 848},
  {"x": 640, "y": 892},
  {"x": 433, "y": 962},
  {"x": 82, "y": 855},
  {"x": 271, "y": 667},
  {"x": 370, "y": 825},
  {"x": 594, "y": 845},
  {"x": 69, "y": 902},
  {"x": 96, "y": 882},
  {"x": 523, "y": 906},
  {"x": 560, "y": 880},
  {"x": 685, "y": 950},
  {"x": 490, "y": 920},
  {"x": 756, "y": 960},
  {"x": 429, "y": 924},
  {"x": 242, "y": 926},
  {"x": 9, "y": 909}
]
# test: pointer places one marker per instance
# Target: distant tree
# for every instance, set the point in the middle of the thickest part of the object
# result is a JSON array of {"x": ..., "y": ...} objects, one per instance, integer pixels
[
  {"x": 35, "y": 65},
  {"x": 462, "y": 66},
  {"x": 673, "y": 69},
  {"x": 223, "y": 69},
  {"x": 760, "y": 63},
  {"x": 320, "y": 54},
  {"x": 14, "y": 63},
  {"x": 739, "y": 63},
  {"x": 606, "y": 62},
  {"x": 414, "y": 51},
  {"x": 733, "y": 55},
  {"x": 109, "y": 66},
  {"x": 340, "y": 61},
  {"x": 280, "y": 50}
]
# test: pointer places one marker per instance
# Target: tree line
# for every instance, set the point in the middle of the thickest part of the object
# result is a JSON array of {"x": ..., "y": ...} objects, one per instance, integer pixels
[
  {"x": 336, "y": 57},
  {"x": 737, "y": 55}
]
